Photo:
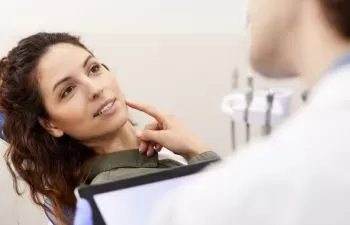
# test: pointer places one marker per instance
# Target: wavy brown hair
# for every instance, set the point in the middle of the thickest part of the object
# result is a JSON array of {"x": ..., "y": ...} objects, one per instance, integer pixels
[{"x": 52, "y": 167}]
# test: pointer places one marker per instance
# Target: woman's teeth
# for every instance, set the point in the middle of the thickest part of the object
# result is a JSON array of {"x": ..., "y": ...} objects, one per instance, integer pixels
[{"x": 106, "y": 108}]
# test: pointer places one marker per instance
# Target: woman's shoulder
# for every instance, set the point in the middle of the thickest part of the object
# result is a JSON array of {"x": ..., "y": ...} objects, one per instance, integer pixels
[
  {"x": 121, "y": 174},
  {"x": 127, "y": 164}
]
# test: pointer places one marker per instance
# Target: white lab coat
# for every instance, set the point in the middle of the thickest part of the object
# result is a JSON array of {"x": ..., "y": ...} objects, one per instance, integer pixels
[{"x": 298, "y": 176}]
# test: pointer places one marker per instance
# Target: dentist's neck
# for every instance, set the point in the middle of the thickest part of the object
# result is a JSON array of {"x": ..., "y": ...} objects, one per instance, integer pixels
[{"x": 124, "y": 139}]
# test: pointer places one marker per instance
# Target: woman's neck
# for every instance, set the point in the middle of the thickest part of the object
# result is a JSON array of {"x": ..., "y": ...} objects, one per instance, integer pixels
[{"x": 124, "y": 139}]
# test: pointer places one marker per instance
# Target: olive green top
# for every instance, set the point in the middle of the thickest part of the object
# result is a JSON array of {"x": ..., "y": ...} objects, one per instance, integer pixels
[{"x": 126, "y": 164}]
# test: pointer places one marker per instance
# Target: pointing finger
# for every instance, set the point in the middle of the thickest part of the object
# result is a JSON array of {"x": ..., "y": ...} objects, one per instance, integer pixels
[{"x": 148, "y": 110}]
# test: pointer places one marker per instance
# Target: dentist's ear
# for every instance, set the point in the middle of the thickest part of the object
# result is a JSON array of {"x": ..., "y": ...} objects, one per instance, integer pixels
[{"x": 51, "y": 128}]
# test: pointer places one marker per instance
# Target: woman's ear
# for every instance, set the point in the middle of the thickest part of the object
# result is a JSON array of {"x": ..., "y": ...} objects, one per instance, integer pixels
[{"x": 51, "y": 128}]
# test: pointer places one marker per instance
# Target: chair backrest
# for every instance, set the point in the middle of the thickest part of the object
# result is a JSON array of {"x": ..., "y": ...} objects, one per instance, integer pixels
[
  {"x": 2, "y": 117},
  {"x": 51, "y": 217}
]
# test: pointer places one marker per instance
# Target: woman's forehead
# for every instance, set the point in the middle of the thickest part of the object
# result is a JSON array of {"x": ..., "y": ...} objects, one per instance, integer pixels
[
  {"x": 59, "y": 61},
  {"x": 62, "y": 56}
]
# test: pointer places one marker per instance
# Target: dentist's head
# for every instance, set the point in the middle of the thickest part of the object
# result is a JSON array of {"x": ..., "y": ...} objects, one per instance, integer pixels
[{"x": 298, "y": 37}]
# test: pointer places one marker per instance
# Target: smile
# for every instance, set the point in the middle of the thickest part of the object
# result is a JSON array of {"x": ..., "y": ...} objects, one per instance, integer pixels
[{"x": 107, "y": 108}]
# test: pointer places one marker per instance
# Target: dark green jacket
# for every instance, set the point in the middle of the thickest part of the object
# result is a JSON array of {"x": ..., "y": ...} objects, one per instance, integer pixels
[{"x": 125, "y": 164}]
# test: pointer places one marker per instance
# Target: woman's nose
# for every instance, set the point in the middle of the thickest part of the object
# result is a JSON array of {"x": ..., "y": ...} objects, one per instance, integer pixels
[
  {"x": 96, "y": 94},
  {"x": 94, "y": 89}
]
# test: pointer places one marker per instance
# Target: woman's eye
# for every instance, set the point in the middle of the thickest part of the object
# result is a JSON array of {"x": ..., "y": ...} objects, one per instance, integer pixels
[
  {"x": 67, "y": 91},
  {"x": 95, "y": 68}
]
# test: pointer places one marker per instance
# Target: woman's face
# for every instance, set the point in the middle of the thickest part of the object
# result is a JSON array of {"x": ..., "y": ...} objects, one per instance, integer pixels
[{"x": 82, "y": 98}]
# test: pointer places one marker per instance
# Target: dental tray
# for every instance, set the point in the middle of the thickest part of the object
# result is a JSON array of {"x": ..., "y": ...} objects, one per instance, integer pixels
[{"x": 234, "y": 105}]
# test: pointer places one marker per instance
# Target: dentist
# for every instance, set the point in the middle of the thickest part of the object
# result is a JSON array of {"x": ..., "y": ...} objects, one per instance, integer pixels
[{"x": 301, "y": 174}]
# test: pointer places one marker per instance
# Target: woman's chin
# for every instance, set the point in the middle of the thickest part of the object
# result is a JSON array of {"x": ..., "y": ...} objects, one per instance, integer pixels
[{"x": 118, "y": 121}]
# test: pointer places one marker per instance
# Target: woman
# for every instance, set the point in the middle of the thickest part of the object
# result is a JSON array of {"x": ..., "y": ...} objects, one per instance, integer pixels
[{"x": 66, "y": 122}]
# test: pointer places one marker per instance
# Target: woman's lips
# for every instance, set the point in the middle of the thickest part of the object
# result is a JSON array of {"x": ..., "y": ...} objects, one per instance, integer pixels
[{"x": 106, "y": 108}]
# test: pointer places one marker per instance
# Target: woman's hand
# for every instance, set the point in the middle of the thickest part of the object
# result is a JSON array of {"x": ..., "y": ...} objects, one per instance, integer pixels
[{"x": 168, "y": 132}]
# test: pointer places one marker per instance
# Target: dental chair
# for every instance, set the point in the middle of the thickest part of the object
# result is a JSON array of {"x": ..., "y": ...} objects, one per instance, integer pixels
[{"x": 52, "y": 219}]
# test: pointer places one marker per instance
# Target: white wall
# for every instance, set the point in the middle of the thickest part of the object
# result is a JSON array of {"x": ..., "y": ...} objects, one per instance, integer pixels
[
  {"x": 177, "y": 55},
  {"x": 131, "y": 16}
]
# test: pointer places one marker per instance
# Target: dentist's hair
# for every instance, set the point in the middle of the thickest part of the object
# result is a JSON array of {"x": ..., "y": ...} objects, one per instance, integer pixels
[
  {"x": 51, "y": 167},
  {"x": 337, "y": 12}
]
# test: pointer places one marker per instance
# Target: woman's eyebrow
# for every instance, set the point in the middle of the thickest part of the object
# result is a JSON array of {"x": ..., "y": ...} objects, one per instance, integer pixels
[{"x": 87, "y": 60}]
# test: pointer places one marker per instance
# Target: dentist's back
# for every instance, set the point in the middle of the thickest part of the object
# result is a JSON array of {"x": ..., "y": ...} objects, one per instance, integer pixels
[{"x": 298, "y": 176}]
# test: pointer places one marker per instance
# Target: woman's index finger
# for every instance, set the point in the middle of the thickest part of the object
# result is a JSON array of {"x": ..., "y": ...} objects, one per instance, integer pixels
[{"x": 151, "y": 111}]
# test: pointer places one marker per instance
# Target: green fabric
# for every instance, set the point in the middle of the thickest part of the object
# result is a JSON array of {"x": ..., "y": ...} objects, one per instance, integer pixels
[{"x": 126, "y": 164}]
